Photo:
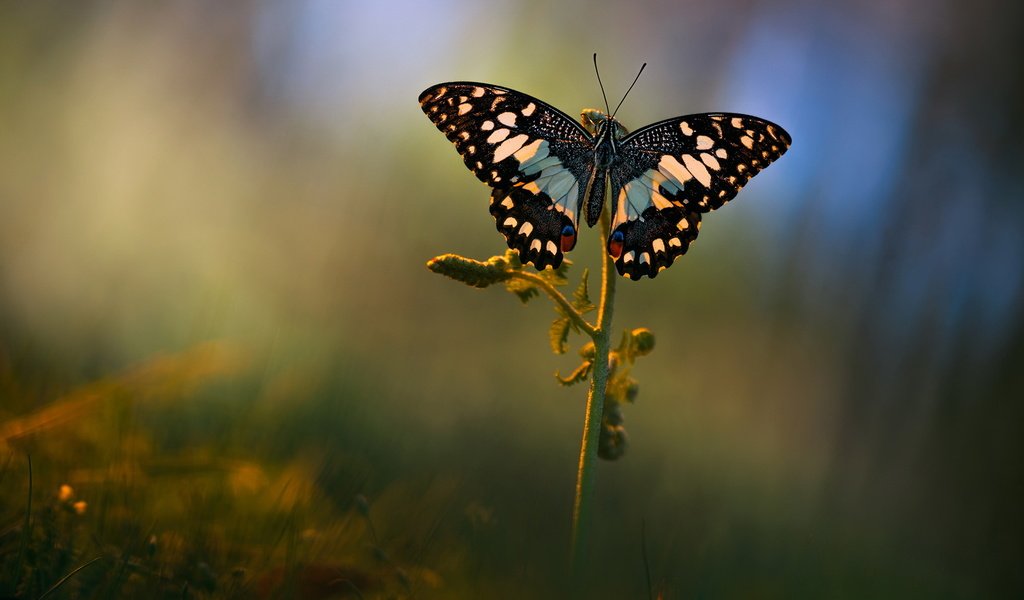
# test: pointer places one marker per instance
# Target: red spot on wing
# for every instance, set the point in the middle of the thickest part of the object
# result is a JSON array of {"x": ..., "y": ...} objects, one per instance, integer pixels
[
  {"x": 568, "y": 242},
  {"x": 615, "y": 248}
]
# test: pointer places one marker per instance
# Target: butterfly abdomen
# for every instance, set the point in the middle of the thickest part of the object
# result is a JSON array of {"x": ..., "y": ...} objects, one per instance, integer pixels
[
  {"x": 595, "y": 195},
  {"x": 604, "y": 156}
]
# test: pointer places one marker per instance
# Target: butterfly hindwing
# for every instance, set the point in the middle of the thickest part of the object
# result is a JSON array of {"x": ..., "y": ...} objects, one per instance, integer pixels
[
  {"x": 530, "y": 225},
  {"x": 667, "y": 174},
  {"x": 535, "y": 157}
]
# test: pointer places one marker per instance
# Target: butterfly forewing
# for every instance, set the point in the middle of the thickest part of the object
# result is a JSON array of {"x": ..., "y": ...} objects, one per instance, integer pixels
[
  {"x": 666, "y": 174},
  {"x": 536, "y": 158}
]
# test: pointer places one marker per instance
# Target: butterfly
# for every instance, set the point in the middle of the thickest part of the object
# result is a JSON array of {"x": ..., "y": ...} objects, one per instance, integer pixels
[{"x": 545, "y": 169}]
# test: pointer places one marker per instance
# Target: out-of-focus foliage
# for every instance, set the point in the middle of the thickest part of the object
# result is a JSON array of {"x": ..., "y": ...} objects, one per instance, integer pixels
[{"x": 216, "y": 327}]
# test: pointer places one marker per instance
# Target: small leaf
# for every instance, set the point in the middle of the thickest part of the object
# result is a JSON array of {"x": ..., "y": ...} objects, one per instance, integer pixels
[
  {"x": 471, "y": 272},
  {"x": 559, "y": 334},
  {"x": 618, "y": 386},
  {"x": 588, "y": 351},
  {"x": 626, "y": 349},
  {"x": 512, "y": 258},
  {"x": 524, "y": 289},
  {"x": 581, "y": 297},
  {"x": 558, "y": 276},
  {"x": 580, "y": 374},
  {"x": 624, "y": 343}
]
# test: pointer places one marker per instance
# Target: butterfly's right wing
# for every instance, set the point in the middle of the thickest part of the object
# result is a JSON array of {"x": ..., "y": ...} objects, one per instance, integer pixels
[
  {"x": 535, "y": 157},
  {"x": 668, "y": 174}
]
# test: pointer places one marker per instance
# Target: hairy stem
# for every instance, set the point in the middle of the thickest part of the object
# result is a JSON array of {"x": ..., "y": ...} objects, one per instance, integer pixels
[
  {"x": 561, "y": 300},
  {"x": 595, "y": 405}
]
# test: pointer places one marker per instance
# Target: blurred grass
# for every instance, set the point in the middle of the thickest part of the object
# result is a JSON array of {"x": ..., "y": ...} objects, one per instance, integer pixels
[{"x": 178, "y": 497}]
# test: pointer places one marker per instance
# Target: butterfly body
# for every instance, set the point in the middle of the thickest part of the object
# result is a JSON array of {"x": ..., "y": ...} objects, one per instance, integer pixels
[
  {"x": 606, "y": 131},
  {"x": 545, "y": 168}
]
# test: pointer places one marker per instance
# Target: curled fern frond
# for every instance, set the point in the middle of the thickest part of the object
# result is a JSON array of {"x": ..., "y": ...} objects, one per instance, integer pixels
[
  {"x": 580, "y": 374},
  {"x": 643, "y": 341},
  {"x": 471, "y": 272}
]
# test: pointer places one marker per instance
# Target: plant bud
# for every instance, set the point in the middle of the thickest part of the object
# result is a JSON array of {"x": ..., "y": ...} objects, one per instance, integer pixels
[{"x": 643, "y": 341}]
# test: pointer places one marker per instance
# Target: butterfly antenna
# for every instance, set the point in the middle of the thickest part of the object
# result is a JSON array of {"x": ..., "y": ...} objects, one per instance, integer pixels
[
  {"x": 642, "y": 67},
  {"x": 599, "y": 82}
]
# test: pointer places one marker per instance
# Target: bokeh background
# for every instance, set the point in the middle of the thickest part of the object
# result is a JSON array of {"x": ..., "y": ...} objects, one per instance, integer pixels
[{"x": 216, "y": 326}]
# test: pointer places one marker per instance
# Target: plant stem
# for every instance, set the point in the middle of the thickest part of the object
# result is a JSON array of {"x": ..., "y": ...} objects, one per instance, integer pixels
[
  {"x": 65, "y": 579},
  {"x": 587, "y": 471},
  {"x": 552, "y": 291}
]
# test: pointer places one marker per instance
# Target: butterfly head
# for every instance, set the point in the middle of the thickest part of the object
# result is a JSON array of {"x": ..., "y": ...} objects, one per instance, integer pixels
[{"x": 593, "y": 119}]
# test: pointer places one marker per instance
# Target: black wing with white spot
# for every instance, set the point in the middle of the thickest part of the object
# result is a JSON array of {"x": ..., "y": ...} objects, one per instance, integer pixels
[
  {"x": 667, "y": 174},
  {"x": 536, "y": 158}
]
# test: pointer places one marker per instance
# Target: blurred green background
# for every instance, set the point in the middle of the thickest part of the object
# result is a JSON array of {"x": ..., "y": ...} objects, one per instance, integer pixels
[{"x": 216, "y": 326}]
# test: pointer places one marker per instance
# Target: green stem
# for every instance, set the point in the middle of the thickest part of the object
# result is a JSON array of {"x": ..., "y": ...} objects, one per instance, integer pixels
[
  {"x": 561, "y": 300},
  {"x": 587, "y": 471}
]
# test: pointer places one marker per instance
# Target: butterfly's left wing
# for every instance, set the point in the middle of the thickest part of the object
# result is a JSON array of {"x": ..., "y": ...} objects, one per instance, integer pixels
[
  {"x": 535, "y": 157},
  {"x": 667, "y": 174}
]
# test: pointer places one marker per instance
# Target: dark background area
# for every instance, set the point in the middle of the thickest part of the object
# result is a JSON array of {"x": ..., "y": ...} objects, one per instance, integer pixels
[{"x": 217, "y": 327}]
